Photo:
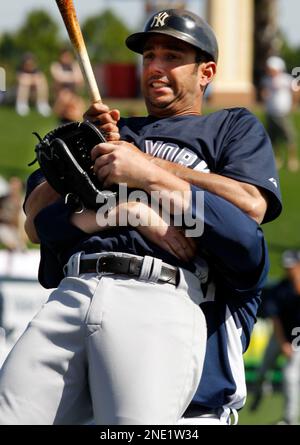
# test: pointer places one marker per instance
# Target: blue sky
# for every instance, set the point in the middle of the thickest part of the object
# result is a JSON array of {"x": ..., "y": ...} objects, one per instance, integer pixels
[{"x": 14, "y": 11}]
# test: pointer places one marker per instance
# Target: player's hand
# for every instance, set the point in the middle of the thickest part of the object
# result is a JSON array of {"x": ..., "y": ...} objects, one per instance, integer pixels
[
  {"x": 104, "y": 119},
  {"x": 153, "y": 227},
  {"x": 121, "y": 162}
]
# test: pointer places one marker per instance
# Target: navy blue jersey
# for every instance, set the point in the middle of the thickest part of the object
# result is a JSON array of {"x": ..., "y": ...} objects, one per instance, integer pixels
[{"x": 232, "y": 143}]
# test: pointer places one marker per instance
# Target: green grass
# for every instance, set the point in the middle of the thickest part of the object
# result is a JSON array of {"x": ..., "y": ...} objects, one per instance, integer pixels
[
  {"x": 283, "y": 233},
  {"x": 269, "y": 411},
  {"x": 17, "y": 141}
]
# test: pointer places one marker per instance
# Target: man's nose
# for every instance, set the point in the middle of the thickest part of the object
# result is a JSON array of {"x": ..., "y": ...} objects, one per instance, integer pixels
[{"x": 156, "y": 65}]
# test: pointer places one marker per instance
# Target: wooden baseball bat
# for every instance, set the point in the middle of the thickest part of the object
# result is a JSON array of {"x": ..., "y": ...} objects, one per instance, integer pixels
[{"x": 68, "y": 13}]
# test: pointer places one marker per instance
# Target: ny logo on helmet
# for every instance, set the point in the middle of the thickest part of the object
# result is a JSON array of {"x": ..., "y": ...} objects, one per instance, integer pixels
[{"x": 159, "y": 20}]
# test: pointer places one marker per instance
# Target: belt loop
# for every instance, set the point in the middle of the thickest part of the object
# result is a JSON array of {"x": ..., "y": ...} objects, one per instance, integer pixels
[
  {"x": 182, "y": 280},
  {"x": 225, "y": 416},
  {"x": 146, "y": 268},
  {"x": 72, "y": 268},
  {"x": 156, "y": 270},
  {"x": 235, "y": 417}
]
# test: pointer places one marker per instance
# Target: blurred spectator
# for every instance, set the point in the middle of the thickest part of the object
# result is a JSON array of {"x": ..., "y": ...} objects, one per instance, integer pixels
[
  {"x": 31, "y": 80},
  {"x": 281, "y": 303},
  {"x": 12, "y": 234},
  {"x": 286, "y": 317},
  {"x": 66, "y": 72},
  {"x": 68, "y": 106},
  {"x": 284, "y": 310},
  {"x": 4, "y": 187},
  {"x": 279, "y": 99},
  {"x": 262, "y": 385}
]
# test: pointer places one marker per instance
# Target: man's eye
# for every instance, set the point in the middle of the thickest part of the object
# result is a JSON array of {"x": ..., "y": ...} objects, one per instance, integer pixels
[
  {"x": 172, "y": 56},
  {"x": 148, "y": 56}
]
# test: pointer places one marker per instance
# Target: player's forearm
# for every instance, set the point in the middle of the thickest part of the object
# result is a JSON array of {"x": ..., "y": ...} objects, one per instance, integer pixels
[
  {"x": 120, "y": 162},
  {"x": 54, "y": 228},
  {"x": 174, "y": 192},
  {"x": 88, "y": 222},
  {"x": 39, "y": 198},
  {"x": 31, "y": 231},
  {"x": 244, "y": 196}
]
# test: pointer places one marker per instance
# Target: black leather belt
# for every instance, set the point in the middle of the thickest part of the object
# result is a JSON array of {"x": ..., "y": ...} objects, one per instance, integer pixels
[
  {"x": 125, "y": 266},
  {"x": 195, "y": 410}
]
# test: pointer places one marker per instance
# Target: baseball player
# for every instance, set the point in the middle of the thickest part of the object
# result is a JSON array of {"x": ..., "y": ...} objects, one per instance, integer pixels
[
  {"x": 284, "y": 310},
  {"x": 124, "y": 325},
  {"x": 279, "y": 99}
]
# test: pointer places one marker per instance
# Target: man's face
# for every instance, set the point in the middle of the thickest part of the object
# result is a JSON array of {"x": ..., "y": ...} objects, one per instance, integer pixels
[
  {"x": 171, "y": 79},
  {"x": 66, "y": 57},
  {"x": 272, "y": 72}
]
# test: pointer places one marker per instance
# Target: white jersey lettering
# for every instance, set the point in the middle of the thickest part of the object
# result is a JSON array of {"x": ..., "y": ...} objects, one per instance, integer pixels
[
  {"x": 186, "y": 157},
  {"x": 153, "y": 147},
  {"x": 173, "y": 153}
]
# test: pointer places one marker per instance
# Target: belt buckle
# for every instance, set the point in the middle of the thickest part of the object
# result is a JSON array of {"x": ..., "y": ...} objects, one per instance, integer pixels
[{"x": 100, "y": 263}]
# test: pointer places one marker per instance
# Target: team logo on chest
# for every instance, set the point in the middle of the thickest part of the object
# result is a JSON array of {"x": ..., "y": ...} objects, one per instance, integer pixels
[
  {"x": 174, "y": 153},
  {"x": 159, "y": 20}
]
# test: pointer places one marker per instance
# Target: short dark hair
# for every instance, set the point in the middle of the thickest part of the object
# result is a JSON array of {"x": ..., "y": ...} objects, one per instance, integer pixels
[{"x": 202, "y": 57}]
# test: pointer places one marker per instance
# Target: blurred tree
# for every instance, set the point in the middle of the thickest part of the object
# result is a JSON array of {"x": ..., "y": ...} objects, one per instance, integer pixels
[
  {"x": 267, "y": 40},
  {"x": 9, "y": 55},
  {"x": 151, "y": 6},
  {"x": 39, "y": 35},
  {"x": 290, "y": 54},
  {"x": 7, "y": 47},
  {"x": 105, "y": 35}
]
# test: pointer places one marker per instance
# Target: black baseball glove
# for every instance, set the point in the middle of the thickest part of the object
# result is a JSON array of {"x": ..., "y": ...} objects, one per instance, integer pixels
[{"x": 65, "y": 160}]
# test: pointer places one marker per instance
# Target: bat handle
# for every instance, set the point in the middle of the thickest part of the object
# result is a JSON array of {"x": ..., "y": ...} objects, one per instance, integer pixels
[{"x": 88, "y": 73}]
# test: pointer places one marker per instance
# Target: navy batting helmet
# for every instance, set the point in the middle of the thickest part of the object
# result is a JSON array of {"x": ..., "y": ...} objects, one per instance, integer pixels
[{"x": 181, "y": 24}]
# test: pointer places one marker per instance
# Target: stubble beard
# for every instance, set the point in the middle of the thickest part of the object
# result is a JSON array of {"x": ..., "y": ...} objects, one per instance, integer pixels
[{"x": 154, "y": 104}]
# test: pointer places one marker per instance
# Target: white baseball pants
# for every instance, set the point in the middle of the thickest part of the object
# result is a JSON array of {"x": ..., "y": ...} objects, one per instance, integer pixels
[{"x": 117, "y": 349}]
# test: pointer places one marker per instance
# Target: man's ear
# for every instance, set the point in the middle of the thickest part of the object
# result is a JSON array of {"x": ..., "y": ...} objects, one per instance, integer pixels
[{"x": 207, "y": 71}]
